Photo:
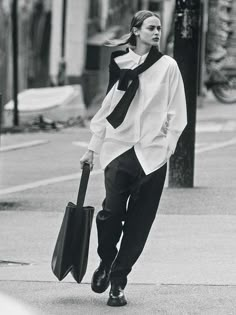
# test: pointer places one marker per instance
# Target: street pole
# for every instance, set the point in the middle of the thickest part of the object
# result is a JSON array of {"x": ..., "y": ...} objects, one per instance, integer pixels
[
  {"x": 0, "y": 117},
  {"x": 14, "y": 16},
  {"x": 186, "y": 53},
  {"x": 62, "y": 63}
]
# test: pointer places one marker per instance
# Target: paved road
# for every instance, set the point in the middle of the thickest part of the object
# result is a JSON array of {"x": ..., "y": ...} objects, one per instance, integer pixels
[
  {"x": 50, "y": 168},
  {"x": 188, "y": 266}
]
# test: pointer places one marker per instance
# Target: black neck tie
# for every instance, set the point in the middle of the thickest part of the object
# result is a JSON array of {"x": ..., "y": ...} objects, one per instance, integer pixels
[{"x": 118, "y": 114}]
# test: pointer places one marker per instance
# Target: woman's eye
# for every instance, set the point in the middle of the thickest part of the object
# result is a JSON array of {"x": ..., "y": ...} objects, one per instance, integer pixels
[{"x": 152, "y": 28}]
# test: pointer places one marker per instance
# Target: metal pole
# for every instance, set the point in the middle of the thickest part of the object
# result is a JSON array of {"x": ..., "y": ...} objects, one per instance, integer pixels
[
  {"x": 15, "y": 60},
  {"x": 63, "y": 28},
  {"x": 186, "y": 53},
  {"x": 0, "y": 117},
  {"x": 62, "y": 63}
]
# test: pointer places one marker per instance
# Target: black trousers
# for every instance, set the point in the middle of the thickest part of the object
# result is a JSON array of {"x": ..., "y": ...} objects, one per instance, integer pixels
[{"x": 130, "y": 206}]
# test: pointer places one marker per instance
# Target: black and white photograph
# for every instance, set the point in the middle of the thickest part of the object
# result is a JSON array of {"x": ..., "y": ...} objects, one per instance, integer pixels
[{"x": 117, "y": 157}]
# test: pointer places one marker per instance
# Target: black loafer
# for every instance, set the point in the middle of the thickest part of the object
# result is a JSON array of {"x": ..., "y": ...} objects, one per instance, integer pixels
[
  {"x": 101, "y": 278},
  {"x": 116, "y": 296}
]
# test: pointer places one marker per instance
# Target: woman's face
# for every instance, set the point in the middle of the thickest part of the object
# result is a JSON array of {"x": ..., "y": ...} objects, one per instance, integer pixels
[{"x": 150, "y": 31}]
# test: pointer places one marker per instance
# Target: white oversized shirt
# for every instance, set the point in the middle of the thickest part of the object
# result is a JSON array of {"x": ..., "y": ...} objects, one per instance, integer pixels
[{"x": 154, "y": 121}]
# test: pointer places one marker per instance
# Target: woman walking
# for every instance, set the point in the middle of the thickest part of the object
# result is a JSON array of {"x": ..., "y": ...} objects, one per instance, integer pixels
[{"x": 135, "y": 132}]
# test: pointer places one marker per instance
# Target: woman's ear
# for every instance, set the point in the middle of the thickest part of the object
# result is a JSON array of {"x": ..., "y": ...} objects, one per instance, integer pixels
[{"x": 135, "y": 31}]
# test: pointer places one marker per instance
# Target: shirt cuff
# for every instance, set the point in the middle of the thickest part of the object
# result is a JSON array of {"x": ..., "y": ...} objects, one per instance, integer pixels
[{"x": 95, "y": 144}]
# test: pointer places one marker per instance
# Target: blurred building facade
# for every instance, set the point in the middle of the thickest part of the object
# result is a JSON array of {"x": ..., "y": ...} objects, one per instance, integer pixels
[
  {"x": 33, "y": 45},
  {"x": 62, "y": 41},
  {"x": 87, "y": 25},
  {"x": 221, "y": 36},
  {"x": 81, "y": 27}
]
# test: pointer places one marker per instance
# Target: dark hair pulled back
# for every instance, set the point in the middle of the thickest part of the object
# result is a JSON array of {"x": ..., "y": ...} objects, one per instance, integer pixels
[{"x": 130, "y": 37}]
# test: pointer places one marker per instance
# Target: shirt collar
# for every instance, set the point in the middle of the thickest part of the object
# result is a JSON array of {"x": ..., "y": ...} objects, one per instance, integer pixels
[{"x": 137, "y": 58}]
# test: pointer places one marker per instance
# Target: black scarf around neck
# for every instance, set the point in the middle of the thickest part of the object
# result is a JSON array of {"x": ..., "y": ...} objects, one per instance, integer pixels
[{"x": 117, "y": 116}]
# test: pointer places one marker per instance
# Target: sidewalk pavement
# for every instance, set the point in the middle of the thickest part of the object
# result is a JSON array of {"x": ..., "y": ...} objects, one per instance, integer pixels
[{"x": 188, "y": 264}]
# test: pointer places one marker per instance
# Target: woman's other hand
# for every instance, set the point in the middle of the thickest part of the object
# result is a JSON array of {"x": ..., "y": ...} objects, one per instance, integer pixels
[{"x": 88, "y": 157}]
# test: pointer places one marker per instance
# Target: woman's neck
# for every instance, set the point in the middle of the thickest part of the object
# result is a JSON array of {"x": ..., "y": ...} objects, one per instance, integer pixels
[{"x": 141, "y": 49}]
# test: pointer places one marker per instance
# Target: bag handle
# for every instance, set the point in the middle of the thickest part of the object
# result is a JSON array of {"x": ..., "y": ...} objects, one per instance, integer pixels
[{"x": 83, "y": 185}]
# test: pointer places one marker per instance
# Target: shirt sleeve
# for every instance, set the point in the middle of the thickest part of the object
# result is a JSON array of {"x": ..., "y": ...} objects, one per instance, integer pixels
[
  {"x": 98, "y": 125},
  {"x": 112, "y": 77},
  {"x": 176, "y": 110}
]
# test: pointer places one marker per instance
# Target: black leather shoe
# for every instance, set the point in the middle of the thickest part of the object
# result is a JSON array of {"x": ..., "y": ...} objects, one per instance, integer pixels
[
  {"x": 101, "y": 278},
  {"x": 116, "y": 296}
]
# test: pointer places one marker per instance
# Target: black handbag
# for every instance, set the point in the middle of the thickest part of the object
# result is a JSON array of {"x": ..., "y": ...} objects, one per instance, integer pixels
[{"x": 72, "y": 245}]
